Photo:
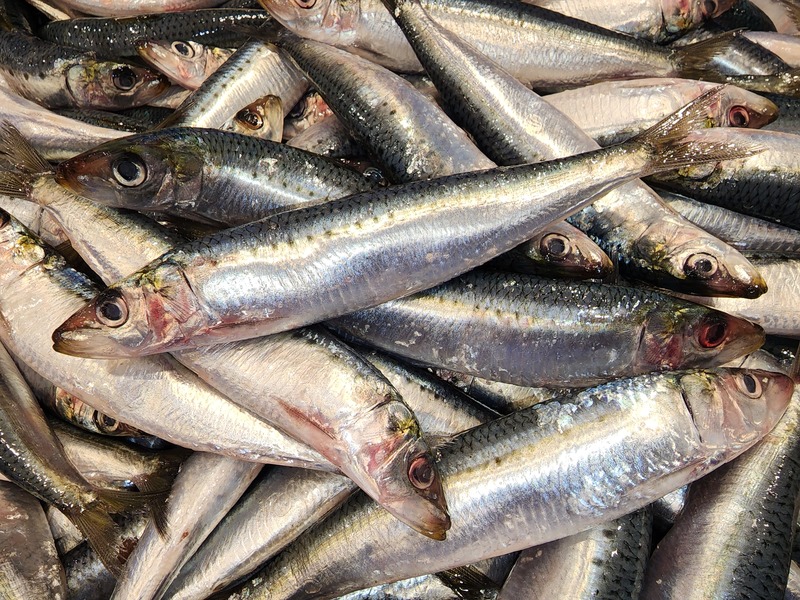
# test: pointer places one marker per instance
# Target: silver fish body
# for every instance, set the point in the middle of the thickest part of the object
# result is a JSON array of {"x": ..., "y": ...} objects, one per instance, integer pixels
[{"x": 551, "y": 486}]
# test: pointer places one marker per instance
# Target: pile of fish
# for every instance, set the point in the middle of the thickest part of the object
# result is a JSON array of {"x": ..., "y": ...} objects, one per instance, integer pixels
[{"x": 435, "y": 299}]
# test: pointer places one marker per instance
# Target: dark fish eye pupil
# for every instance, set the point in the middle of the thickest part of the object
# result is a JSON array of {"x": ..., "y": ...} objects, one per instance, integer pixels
[
  {"x": 123, "y": 78},
  {"x": 128, "y": 170},
  {"x": 556, "y": 246},
  {"x": 182, "y": 48},
  {"x": 703, "y": 265},
  {"x": 749, "y": 384},
  {"x": 111, "y": 311},
  {"x": 108, "y": 422},
  {"x": 250, "y": 118}
]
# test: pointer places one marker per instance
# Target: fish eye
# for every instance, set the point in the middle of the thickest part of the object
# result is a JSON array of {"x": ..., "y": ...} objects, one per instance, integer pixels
[
  {"x": 123, "y": 78},
  {"x": 710, "y": 8},
  {"x": 299, "y": 109},
  {"x": 711, "y": 332},
  {"x": 305, "y": 3},
  {"x": 738, "y": 116},
  {"x": 129, "y": 170},
  {"x": 421, "y": 473},
  {"x": 700, "y": 266},
  {"x": 105, "y": 423},
  {"x": 750, "y": 386},
  {"x": 554, "y": 245},
  {"x": 250, "y": 119},
  {"x": 112, "y": 310},
  {"x": 183, "y": 49}
]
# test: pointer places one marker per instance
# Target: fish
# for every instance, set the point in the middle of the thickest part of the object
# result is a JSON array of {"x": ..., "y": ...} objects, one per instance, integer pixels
[
  {"x": 612, "y": 111},
  {"x": 734, "y": 536},
  {"x": 262, "y": 119},
  {"x": 118, "y": 36},
  {"x": 531, "y": 331},
  {"x": 206, "y": 488},
  {"x": 548, "y": 490},
  {"x": 136, "y": 7},
  {"x": 57, "y": 76},
  {"x": 186, "y": 171},
  {"x": 407, "y": 223},
  {"x": 31, "y": 455}
]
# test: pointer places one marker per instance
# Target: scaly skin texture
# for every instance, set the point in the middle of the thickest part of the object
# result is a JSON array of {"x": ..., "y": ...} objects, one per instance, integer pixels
[
  {"x": 541, "y": 474},
  {"x": 539, "y": 332},
  {"x": 117, "y": 36},
  {"x": 734, "y": 537},
  {"x": 605, "y": 562},
  {"x": 233, "y": 285},
  {"x": 206, "y": 174}
]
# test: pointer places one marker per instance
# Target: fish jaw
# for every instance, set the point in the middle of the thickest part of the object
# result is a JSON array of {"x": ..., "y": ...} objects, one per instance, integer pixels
[{"x": 113, "y": 86}]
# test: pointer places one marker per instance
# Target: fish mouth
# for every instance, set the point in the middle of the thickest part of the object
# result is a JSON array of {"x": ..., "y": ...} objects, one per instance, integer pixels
[{"x": 81, "y": 335}]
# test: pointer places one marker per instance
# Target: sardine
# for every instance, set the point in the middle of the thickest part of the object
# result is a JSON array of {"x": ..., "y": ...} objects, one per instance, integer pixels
[
  {"x": 208, "y": 175},
  {"x": 641, "y": 438},
  {"x": 529, "y": 331},
  {"x": 612, "y": 111},
  {"x": 119, "y": 36},
  {"x": 734, "y": 537},
  {"x": 56, "y": 76}
]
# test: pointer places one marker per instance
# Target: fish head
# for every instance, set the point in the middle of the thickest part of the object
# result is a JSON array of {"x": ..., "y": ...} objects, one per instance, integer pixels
[
  {"x": 733, "y": 408},
  {"x": 143, "y": 172},
  {"x": 149, "y": 312},
  {"x": 737, "y": 107},
  {"x": 311, "y": 109},
  {"x": 185, "y": 63},
  {"x": 695, "y": 336},
  {"x": 403, "y": 467},
  {"x": 262, "y": 119},
  {"x": 330, "y": 21},
  {"x": 682, "y": 15},
  {"x": 113, "y": 86},
  {"x": 571, "y": 254},
  {"x": 684, "y": 258}
]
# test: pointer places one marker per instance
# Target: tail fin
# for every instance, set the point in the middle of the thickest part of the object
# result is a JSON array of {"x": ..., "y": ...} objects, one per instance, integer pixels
[
  {"x": 671, "y": 145},
  {"x": 102, "y": 531},
  {"x": 17, "y": 152}
]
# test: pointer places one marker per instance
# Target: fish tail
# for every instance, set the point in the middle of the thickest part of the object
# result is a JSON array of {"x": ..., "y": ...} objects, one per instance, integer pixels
[
  {"x": 103, "y": 533},
  {"x": 675, "y": 142},
  {"x": 118, "y": 501},
  {"x": 100, "y": 530},
  {"x": 16, "y": 151},
  {"x": 696, "y": 61}
]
